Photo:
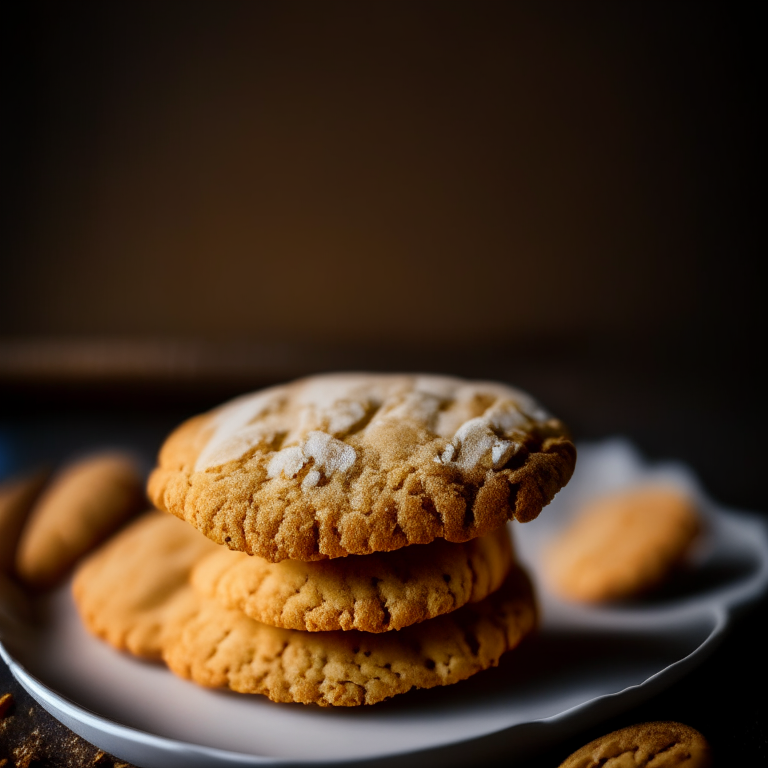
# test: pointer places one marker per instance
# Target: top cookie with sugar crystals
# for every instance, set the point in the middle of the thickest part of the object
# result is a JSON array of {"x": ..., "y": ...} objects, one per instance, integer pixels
[{"x": 344, "y": 464}]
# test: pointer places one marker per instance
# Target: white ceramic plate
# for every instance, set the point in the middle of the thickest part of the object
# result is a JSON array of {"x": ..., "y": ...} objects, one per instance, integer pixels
[{"x": 586, "y": 664}]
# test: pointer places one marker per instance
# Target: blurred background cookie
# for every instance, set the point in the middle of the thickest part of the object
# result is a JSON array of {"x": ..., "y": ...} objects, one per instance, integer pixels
[
  {"x": 83, "y": 504},
  {"x": 623, "y": 544},
  {"x": 16, "y": 499}
]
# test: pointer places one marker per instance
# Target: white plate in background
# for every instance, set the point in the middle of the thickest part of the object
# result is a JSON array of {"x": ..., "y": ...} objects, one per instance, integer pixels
[{"x": 586, "y": 664}]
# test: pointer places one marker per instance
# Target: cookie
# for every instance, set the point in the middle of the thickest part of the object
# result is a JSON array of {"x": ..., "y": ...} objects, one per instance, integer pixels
[
  {"x": 16, "y": 499},
  {"x": 358, "y": 463},
  {"x": 127, "y": 590},
  {"x": 221, "y": 647},
  {"x": 372, "y": 593},
  {"x": 623, "y": 544},
  {"x": 81, "y": 506},
  {"x": 648, "y": 745}
]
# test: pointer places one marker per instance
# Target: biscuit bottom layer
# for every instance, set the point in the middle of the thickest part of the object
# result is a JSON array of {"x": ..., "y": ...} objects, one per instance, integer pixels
[{"x": 219, "y": 647}]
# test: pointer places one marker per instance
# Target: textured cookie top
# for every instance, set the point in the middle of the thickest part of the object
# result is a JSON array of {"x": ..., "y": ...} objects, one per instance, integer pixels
[
  {"x": 373, "y": 593},
  {"x": 222, "y": 647},
  {"x": 359, "y": 463},
  {"x": 622, "y": 544},
  {"x": 646, "y": 745}
]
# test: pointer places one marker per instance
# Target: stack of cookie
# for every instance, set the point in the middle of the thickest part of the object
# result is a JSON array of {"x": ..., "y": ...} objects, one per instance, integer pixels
[{"x": 356, "y": 546}]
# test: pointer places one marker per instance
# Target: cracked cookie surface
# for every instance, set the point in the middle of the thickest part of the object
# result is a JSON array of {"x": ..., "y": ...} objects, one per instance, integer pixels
[
  {"x": 128, "y": 590},
  {"x": 647, "y": 745},
  {"x": 220, "y": 647},
  {"x": 347, "y": 464},
  {"x": 373, "y": 593}
]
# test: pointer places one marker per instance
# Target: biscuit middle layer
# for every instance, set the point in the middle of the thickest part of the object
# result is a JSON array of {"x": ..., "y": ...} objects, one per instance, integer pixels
[
  {"x": 373, "y": 593},
  {"x": 218, "y": 647},
  {"x": 135, "y": 593}
]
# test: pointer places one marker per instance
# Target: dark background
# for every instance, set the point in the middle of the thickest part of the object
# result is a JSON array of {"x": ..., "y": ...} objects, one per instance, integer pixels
[
  {"x": 207, "y": 197},
  {"x": 427, "y": 171},
  {"x": 202, "y": 198}
]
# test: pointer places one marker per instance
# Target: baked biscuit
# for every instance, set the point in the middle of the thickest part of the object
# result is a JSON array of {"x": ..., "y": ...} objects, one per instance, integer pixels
[
  {"x": 372, "y": 593},
  {"x": 223, "y": 647},
  {"x": 128, "y": 590},
  {"x": 16, "y": 499},
  {"x": 648, "y": 745},
  {"x": 80, "y": 507},
  {"x": 623, "y": 544},
  {"x": 358, "y": 463}
]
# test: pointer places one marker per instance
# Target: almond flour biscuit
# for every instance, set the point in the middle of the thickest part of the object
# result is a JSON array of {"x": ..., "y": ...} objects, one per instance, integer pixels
[
  {"x": 82, "y": 505},
  {"x": 372, "y": 593},
  {"x": 648, "y": 745},
  {"x": 128, "y": 590},
  {"x": 221, "y": 647},
  {"x": 16, "y": 499},
  {"x": 623, "y": 544},
  {"x": 360, "y": 463}
]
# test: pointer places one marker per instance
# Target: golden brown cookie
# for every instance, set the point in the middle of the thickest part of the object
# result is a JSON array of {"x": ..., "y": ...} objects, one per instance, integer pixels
[
  {"x": 223, "y": 647},
  {"x": 648, "y": 745},
  {"x": 623, "y": 544},
  {"x": 16, "y": 499},
  {"x": 128, "y": 589},
  {"x": 360, "y": 463},
  {"x": 82, "y": 505},
  {"x": 373, "y": 593}
]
